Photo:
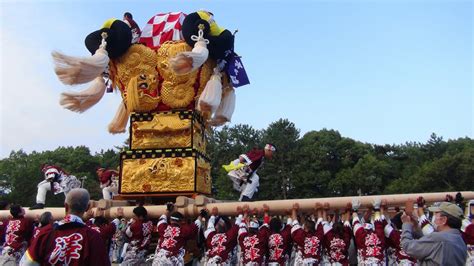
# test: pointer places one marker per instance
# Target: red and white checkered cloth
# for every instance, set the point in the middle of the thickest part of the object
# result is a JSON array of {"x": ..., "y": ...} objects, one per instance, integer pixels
[{"x": 161, "y": 28}]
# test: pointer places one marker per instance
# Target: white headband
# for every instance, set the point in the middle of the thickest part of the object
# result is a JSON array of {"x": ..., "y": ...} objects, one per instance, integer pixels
[
  {"x": 270, "y": 147},
  {"x": 253, "y": 224},
  {"x": 51, "y": 171},
  {"x": 174, "y": 218}
]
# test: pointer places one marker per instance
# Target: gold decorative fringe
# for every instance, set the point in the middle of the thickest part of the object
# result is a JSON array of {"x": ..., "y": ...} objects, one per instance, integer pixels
[{"x": 132, "y": 95}]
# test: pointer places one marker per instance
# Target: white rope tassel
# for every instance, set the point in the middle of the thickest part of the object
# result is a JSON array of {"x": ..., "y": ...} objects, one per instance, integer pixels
[
  {"x": 120, "y": 120},
  {"x": 186, "y": 62},
  {"x": 211, "y": 95},
  {"x": 77, "y": 70},
  {"x": 226, "y": 108},
  {"x": 83, "y": 100}
]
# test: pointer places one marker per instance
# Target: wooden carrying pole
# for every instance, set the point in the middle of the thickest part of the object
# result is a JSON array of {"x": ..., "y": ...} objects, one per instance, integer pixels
[
  {"x": 190, "y": 207},
  {"x": 282, "y": 206}
]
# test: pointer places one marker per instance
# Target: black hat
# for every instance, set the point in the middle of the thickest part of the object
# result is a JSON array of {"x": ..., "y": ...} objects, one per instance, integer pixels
[
  {"x": 119, "y": 39},
  {"x": 217, "y": 46},
  {"x": 140, "y": 211},
  {"x": 190, "y": 27},
  {"x": 15, "y": 210},
  {"x": 3, "y": 204}
]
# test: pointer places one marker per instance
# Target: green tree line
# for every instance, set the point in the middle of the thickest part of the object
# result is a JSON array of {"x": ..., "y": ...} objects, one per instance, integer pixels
[
  {"x": 20, "y": 173},
  {"x": 325, "y": 164},
  {"x": 318, "y": 164}
]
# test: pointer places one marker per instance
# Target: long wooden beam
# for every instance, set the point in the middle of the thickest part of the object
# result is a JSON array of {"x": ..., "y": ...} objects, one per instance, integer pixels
[
  {"x": 282, "y": 206},
  {"x": 191, "y": 207}
]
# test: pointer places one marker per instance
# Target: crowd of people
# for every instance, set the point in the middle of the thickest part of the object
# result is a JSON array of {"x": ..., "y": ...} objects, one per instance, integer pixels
[{"x": 438, "y": 235}]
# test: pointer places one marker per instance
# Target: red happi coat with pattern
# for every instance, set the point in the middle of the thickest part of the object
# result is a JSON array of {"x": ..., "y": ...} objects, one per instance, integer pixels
[
  {"x": 36, "y": 231},
  {"x": 106, "y": 232},
  {"x": 141, "y": 233},
  {"x": 468, "y": 234},
  {"x": 173, "y": 237},
  {"x": 337, "y": 247},
  {"x": 17, "y": 231},
  {"x": 279, "y": 245},
  {"x": 253, "y": 246},
  {"x": 425, "y": 225},
  {"x": 221, "y": 244},
  {"x": 254, "y": 158},
  {"x": 309, "y": 244},
  {"x": 393, "y": 241},
  {"x": 3, "y": 227},
  {"x": 370, "y": 243},
  {"x": 69, "y": 243},
  {"x": 467, "y": 231}
]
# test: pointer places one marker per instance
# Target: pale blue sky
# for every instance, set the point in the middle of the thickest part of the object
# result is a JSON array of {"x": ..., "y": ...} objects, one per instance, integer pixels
[{"x": 377, "y": 71}]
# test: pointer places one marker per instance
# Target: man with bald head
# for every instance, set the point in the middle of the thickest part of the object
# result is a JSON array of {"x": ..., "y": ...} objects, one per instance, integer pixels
[{"x": 69, "y": 241}]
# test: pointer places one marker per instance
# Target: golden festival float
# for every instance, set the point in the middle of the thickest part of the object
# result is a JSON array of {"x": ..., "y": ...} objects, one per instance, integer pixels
[{"x": 176, "y": 81}]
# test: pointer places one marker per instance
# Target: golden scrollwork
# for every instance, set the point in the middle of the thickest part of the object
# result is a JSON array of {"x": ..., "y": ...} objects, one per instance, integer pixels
[
  {"x": 177, "y": 95},
  {"x": 165, "y": 130},
  {"x": 161, "y": 140},
  {"x": 139, "y": 91},
  {"x": 141, "y": 62},
  {"x": 203, "y": 176},
  {"x": 136, "y": 76},
  {"x": 199, "y": 141},
  {"x": 178, "y": 91},
  {"x": 139, "y": 59},
  {"x": 164, "y": 122},
  {"x": 168, "y": 174}
]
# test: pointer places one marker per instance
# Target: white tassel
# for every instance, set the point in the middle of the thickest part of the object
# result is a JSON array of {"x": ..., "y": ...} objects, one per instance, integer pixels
[
  {"x": 77, "y": 70},
  {"x": 211, "y": 95},
  {"x": 83, "y": 100},
  {"x": 119, "y": 122},
  {"x": 226, "y": 108},
  {"x": 186, "y": 62}
]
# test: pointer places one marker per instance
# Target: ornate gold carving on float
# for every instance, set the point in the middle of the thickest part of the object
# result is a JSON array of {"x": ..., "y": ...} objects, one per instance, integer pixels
[
  {"x": 178, "y": 91},
  {"x": 174, "y": 129},
  {"x": 146, "y": 81},
  {"x": 203, "y": 176},
  {"x": 138, "y": 79},
  {"x": 158, "y": 174},
  {"x": 139, "y": 91},
  {"x": 140, "y": 70},
  {"x": 138, "y": 60},
  {"x": 165, "y": 170},
  {"x": 160, "y": 83},
  {"x": 199, "y": 139}
]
